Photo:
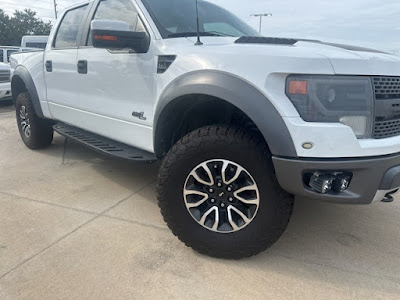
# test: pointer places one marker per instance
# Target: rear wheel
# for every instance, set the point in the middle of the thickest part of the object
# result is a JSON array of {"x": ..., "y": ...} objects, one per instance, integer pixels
[
  {"x": 36, "y": 133},
  {"x": 218, "y": 193}
]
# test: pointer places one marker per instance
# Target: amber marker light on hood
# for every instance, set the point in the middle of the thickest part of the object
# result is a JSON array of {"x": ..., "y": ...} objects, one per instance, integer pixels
[{"x": 297, "y": 87}]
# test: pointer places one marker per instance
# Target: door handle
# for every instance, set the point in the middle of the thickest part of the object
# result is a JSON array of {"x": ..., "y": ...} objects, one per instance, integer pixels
[
  {"x": 49, "y": 66},
  {"x": 82, "y": 66}
]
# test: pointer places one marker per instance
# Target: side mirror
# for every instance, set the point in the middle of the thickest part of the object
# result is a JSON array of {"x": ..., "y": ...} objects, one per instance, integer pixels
[{"x": 117, "y": 35}]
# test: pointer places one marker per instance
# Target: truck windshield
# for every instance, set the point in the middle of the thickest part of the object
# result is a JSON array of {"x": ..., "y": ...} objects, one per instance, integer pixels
[{"x": 177, "y": 18}]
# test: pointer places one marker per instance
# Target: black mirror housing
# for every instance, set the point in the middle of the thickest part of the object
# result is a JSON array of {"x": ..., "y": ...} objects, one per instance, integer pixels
[{"x": 114, "y": 39}]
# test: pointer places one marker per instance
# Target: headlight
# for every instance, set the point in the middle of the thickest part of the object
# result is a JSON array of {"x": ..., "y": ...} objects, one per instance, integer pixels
[{"x": 340, "y": 99}]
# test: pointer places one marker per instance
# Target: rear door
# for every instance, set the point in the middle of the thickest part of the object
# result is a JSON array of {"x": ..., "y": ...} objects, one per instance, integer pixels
[{"x": 61, "y": 65}]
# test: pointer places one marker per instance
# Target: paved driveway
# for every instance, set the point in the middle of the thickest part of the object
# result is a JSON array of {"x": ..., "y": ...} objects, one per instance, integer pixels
[{"x": 77, "y": 225}]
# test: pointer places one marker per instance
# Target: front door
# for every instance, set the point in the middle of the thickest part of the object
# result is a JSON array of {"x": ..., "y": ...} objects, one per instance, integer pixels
[{"x": 116, "y": 92}]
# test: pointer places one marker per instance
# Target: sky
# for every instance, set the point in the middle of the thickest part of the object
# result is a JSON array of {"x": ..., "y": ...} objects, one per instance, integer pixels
[{"x": 368, "y": 23}]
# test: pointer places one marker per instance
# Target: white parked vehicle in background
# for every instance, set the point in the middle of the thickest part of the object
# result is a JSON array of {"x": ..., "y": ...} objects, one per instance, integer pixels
[
  {"x": 5, "y": 53},
  {"x": 34, "y": 41},
  {"x": 242, "y": 122},
  {"x": 5, "y": 84}
]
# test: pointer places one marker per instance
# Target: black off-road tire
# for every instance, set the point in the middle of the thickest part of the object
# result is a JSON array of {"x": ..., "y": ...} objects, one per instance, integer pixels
[
  {"x": 236, "y": 145},
  {"x": 41, "y": 132}
]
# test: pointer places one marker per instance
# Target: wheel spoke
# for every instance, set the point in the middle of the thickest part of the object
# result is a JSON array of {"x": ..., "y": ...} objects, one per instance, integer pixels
[
  {"x": 247, "y": 188},
  {"x": 198, "y": 203},
  {"x": 22, "y": 113},
  {"x": 207, "y": 213},
  {"x": 27, "y": 131},
  {"x": 242, "y": 215},
  {"x": 233, "y": 225},
  {"x": 236, "y": 176},
  {"x": 208, "y": 171}
]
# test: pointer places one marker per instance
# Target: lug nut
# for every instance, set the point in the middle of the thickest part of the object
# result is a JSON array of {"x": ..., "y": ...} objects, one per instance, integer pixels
[
  {"x": 222, "y": 204},
  {"x": 212, "y": 200},
  {"x": 230, "y": 199},
  {"x": 229, "y": 189},
  {"x": 219, "y": 184},
  {"x": 211, "y": 190}
]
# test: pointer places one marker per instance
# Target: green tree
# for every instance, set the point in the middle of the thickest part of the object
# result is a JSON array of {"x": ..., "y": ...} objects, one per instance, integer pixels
[{"x": 13, "y": 28}]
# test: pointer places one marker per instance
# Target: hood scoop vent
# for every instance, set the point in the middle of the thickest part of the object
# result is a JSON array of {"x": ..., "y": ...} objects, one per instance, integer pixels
[{"x": 265, "y": 40}]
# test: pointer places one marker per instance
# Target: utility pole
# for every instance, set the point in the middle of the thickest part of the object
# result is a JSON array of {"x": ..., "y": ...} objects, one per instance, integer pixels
[
  {"x": 261, "y": 16},
  {"x": 55, "y": 8}
]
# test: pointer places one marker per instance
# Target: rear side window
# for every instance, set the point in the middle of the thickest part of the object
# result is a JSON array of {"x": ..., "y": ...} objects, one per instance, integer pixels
[
  {"x": 67, "y": 34},
  {"x": 118, "y": 10},
  {"x": 1, "y": 55}
]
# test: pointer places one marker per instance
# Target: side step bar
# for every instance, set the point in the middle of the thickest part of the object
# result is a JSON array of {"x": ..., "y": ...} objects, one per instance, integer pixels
[{"x": 104, "y": 145}]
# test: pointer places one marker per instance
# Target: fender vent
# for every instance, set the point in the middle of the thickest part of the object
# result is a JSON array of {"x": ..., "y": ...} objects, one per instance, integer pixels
[
  {"x": 265, "y": 40},
  {"x": 164, "y": 62}
]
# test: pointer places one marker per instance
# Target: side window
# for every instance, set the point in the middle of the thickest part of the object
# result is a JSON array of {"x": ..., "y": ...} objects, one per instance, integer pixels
[
  {"x": 67, "y": 34},
  {"x": 118, "y": 10},
  {"x": 1, "y": 56},
  {"x": 9, "y": 52},
  {"x": 36, "y": 45}
]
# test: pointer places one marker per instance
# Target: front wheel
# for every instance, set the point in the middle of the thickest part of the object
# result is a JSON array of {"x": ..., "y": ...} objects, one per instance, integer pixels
[{"x": 218, "y": 193}]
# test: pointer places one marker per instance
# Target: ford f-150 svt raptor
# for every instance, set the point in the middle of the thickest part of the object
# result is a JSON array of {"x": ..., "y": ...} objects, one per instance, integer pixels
[{"x": 242, "y": 123}]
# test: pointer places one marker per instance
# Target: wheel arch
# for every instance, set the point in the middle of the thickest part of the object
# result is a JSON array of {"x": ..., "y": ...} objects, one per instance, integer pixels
[
  {"x": 22, "y": 82},
  {"x": 233, "y": 95}
]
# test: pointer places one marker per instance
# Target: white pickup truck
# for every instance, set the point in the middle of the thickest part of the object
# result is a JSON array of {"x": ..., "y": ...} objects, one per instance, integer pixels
[{"x": 242, "y": 123}]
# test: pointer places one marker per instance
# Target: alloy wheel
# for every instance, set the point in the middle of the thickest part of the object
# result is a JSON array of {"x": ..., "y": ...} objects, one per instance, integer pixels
[
  {"x": 24, "y": 121},
  {"x": 221, "y": 196}
]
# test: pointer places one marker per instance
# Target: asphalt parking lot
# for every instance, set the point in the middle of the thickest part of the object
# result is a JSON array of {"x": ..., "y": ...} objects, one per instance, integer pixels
[{"x": 78, "y": 225}]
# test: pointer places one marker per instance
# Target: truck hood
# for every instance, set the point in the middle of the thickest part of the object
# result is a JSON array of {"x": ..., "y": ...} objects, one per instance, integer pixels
[
  {"x": 344, "y": 59},
  {"x": 347, "y": 59}
]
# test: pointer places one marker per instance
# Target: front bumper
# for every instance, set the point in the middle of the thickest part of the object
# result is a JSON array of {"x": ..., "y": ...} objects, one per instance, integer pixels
[
  {"x": 5, "y": 91},
  {"x": 373, "y": 177}
]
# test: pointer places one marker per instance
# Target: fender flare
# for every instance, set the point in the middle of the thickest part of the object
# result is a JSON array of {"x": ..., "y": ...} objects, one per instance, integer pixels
[
  {"x": 26, "y": 77},
  {"x": 239, "y": 93}
]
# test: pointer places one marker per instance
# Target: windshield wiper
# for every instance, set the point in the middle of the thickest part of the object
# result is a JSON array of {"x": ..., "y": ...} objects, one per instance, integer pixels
[
  {"x": 220, "y": 33},
  {"x": 202, "y": 33}
]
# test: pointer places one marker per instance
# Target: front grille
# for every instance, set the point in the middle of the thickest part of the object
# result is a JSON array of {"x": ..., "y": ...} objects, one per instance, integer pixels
[
  {"x": 387, "y": 107},
  {"x": 386, "y": 129},
  {"x": 387, "y": 87},
  {"x": 4, "y": 76}
]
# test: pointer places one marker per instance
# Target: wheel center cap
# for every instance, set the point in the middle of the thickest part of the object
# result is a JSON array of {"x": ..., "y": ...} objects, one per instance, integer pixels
[{"x": 221, "y": 194}]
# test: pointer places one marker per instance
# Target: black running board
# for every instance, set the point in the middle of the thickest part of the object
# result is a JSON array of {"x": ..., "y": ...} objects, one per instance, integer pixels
[{"x": 104, "y": 145}]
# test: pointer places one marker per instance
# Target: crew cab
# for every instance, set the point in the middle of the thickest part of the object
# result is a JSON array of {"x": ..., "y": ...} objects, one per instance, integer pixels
[{"x": 241, "y": 122}]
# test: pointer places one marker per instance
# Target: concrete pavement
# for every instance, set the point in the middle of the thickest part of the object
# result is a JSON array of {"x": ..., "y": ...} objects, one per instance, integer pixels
[{"x": 78, "y": 225}]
